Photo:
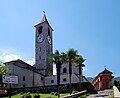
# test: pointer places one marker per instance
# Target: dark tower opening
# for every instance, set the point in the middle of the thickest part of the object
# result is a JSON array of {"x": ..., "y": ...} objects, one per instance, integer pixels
[
  {"x": 48, "y": 32},
  {"x": 40, "y": 29}
]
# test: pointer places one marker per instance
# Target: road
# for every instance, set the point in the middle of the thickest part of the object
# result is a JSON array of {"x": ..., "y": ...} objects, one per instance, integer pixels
[{"x": 101, "y": 94}]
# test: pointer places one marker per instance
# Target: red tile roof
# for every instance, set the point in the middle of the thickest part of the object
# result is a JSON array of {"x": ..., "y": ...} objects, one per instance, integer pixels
[{"x": 103, "y": 72}]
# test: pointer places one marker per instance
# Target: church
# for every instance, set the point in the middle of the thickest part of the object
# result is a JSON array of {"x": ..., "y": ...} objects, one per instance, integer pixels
[{"x": 41, "y": 73}]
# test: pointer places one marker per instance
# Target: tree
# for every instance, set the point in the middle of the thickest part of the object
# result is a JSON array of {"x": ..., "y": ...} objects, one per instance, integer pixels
[
  {"x": 3, "y": 70},
  {"x": 57, "y": 59},
  {"x": 79, "y": 61},
  {"x": 70, "y": 59}
]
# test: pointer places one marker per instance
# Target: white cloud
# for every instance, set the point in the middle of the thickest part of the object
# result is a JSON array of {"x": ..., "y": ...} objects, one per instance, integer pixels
[
  {"x": 31, "y": 62},
  {"x": 9, "y": 55}
]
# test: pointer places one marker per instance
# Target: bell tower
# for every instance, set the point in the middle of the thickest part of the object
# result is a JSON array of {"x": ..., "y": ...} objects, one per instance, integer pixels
[{"x": 43, "y": 47}]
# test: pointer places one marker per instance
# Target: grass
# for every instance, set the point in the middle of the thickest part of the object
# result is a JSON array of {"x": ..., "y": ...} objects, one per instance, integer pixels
[
  {"x": 45, "y": 95},
  {"x": 41, "y": 95}
]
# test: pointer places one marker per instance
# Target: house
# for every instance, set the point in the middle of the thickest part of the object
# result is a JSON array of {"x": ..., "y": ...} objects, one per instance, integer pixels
[{"x": 103, "y": 80}]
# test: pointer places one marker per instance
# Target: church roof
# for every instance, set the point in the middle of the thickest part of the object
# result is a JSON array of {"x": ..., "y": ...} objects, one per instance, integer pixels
[
  {"x": 105, "y": 71},
  {"x": 43, "y": 20},
  {"x": 22, "y": 64}
]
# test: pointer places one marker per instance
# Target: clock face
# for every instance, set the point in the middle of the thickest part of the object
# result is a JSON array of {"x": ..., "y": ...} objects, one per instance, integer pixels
[
  {"x": 49, "y": 39},
  {"x": 40, "y": 38}
]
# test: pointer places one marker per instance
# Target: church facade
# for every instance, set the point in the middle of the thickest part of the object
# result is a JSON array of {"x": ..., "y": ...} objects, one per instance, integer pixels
[{"x": 41, "y": 73}]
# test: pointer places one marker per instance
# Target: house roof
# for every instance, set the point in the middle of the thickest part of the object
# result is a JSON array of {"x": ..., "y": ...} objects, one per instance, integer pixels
[
  {"x": 22, "y": 64},
  {"x": 19, "y": 61},
  {"x": 105, "y": 71}
]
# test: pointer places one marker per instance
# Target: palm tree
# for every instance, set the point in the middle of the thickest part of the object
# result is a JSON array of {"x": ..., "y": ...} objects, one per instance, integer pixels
[
  {"x": 70, "y": 58},
  {"x": 79, "y": 60},
  {"x": 56, "y": 59}
]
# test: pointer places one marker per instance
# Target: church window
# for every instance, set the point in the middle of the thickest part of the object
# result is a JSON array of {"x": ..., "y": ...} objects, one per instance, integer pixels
[
  {"x": 40, "y": 29},
  {"x": 52, "y": 81},
  {"x": 64, "y": 70},
  {"x": 23, "y": 78},
  {"x": 23, "y": 85},
  {"x": 64, "y": 79},
  {"x": 42, "y": 78},
  {"x": 48, "y": 32}
]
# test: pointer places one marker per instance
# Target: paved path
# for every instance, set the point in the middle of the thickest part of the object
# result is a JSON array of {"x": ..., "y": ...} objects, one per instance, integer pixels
[{"x": 101, "y": 94}]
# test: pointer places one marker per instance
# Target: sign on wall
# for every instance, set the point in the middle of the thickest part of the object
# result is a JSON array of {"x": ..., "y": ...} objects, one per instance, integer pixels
[{"x": 10, "y": 79}]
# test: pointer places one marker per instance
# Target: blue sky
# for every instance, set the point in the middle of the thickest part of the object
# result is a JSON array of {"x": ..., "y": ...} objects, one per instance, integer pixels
[{"x": 90, "y": 26}]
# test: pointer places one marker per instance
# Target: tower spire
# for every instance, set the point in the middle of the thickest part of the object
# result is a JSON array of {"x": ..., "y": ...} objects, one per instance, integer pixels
[{"x": 44, "y": 19}]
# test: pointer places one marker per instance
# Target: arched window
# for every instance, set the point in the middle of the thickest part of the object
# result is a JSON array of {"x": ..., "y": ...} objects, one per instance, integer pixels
[
  {"x": 64, "y": 70},
  {"x": 48, "y": 32}
]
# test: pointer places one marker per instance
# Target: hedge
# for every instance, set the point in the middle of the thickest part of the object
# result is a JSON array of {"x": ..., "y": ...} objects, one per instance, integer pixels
[{"x": 64, "y": 88}]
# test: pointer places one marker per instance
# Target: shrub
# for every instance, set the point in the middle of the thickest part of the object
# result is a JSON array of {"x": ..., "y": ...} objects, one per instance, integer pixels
[
  {"x": 26, "y": 96},
  {"x": 28, "y": 93},
  {"x": 64, "y": 88},
  {"x": 36, "y": 96},
  {"x": 87, "y": 86},
  {"x": 21, "y": 93},
  {"x": 56, "y": 94},
  {"x": 15, "y": 92},
  {"x": 52, "y": 93}
]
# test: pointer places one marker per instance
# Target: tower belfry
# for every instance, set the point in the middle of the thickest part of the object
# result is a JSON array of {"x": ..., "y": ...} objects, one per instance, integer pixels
[{"x": 43, "y": 47}]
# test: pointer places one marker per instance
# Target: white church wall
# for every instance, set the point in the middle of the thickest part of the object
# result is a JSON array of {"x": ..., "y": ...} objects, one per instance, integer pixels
[
  {"x": 38, "y": 80},
  {"x": 31, "y": 78},
  {"x": 75, "y": 69},
  {"x": 64, "y": 79},
  {"x": 21, "y": 72},
  {"x": 52, "y": 80}
]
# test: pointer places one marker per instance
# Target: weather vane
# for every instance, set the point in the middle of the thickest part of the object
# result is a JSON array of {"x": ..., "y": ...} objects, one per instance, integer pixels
[
  {"x": 44, "y": 12},
  {"x": 105, "y": 66}
]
